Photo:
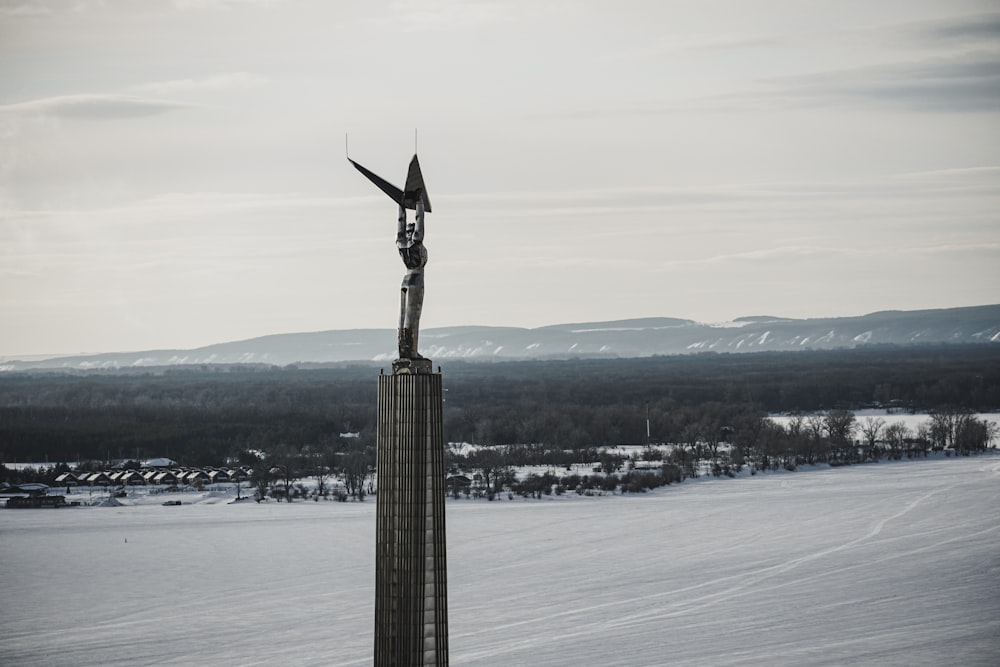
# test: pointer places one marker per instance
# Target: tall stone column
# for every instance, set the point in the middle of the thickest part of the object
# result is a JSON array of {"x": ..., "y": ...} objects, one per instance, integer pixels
[{"x": 411, "y": 601}]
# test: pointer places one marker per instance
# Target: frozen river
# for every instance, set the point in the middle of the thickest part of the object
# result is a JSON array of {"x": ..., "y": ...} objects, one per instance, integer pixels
[{"x": 887, "y": 564}]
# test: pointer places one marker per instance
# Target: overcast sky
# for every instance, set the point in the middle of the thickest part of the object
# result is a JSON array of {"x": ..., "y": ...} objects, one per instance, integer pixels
[{"x": 173, "y": 173}]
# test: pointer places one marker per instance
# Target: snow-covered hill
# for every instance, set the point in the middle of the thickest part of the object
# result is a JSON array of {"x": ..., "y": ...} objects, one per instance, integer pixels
[{"x": 623, "y": 339}]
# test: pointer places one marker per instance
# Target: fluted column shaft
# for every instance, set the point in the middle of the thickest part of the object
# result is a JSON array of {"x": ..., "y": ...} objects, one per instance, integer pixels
[{"x": 411, "y": 602}]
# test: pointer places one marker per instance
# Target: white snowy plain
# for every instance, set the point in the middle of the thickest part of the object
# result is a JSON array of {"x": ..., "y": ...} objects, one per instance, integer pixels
[{"x": 879, "y": 564}]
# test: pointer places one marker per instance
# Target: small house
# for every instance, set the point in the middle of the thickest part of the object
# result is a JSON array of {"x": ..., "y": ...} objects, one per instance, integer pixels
[
  {"x": 131, "y": 478},
  {"x": 67, "y": 479},
  {"x": 165, "y": 477},
  {"x": 194, "y": 477},
  {"x": 97, "y": 479},
  {"x": 218, "y": 476}
]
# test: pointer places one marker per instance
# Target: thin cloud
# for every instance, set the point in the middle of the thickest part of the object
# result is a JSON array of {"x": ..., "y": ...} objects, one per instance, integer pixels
[
  {"x": 966, "y": 82},
  {"x": 24, "y": 11},
  {"x": 93, "y": 106},
  {"x": 990, "y": 172},
  {"x": 444, "y": 14},
  {"x": 979, "y": 27},
  {"x": 50, "y": 8},
  {"x": 951, "y": 249},
  {"x": 969, "y": 82},
  {"x": 786, "y": 255},
  {"x": 574, "y": 203},
  {"x": 964, "y": 75},
  {"x": 228, "y": 81},
  {"x": 782, "y": 253},
  {"x": 942, "y": 35},
  {"x": 197, "y": 5},
  {"x": 699, "y": 42}
]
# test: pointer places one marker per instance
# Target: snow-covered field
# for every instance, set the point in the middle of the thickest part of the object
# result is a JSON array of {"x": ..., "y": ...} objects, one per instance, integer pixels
[{"x": 887, "y": 564}]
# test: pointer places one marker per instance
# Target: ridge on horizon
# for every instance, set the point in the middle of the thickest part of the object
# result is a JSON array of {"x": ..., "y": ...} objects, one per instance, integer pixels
[
  {"x": 622, "y": 338},
  {"x": 633, "y": 321}
]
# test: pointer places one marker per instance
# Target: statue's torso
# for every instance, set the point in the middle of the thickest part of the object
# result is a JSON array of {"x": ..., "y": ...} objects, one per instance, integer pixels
[{"x": 414, "y": 256}]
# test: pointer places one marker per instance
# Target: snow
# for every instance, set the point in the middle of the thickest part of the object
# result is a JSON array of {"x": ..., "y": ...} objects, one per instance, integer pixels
[
  {"x": 161, "y": 462},
  {"x": 911, "y": 421},
  {"x": 730, "y": 324},
  {"x": 889, "y": 564},
  {"x": 27, "y": 465},
  {"x": 827, "y": 338}
]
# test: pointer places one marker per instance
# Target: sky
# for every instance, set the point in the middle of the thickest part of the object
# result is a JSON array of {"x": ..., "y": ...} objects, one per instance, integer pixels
[{"x": 173, "y": 173}]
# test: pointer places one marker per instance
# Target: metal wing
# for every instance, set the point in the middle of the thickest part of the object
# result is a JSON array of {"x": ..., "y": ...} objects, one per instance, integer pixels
[
  {"x": 415, "y": 188},
  {"x": 395, "y": 194}
]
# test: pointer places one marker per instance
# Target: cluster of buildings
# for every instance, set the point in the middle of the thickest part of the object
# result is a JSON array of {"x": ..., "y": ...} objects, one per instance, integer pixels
[
  {"x": 168, "y": 475},
  {"x": 28, "y": 496},
  {"x": 179, "y": 476}
]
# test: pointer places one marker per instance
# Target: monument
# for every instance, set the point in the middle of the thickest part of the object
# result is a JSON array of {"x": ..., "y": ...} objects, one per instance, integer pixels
[{"x": 411, "y": 594}]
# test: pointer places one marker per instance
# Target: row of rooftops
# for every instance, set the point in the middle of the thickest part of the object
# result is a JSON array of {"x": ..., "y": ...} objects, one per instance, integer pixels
[{"x": 154, "y": 476}]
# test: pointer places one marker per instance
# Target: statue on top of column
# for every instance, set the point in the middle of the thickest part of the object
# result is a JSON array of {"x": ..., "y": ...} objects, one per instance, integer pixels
[{"x": 410, "y": 243}]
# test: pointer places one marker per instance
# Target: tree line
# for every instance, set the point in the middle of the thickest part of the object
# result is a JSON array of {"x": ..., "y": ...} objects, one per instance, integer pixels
[
  {"x": 206, "y": 415},
  {"x": 719, "y": 440}
]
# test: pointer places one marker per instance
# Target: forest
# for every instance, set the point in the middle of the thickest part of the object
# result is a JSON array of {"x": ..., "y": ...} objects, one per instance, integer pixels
[{"x": 554, "y": 410}]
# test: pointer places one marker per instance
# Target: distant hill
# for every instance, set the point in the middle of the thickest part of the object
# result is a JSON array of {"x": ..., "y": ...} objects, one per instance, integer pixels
[{"x": 621, "y": 339}]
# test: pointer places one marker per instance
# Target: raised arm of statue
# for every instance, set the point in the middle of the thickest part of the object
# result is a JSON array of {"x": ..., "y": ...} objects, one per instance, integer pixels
[
  {"x": 409, "y": 235},
  {"x": 401, "y": 228},
  {"x": 418, "y": 227}
]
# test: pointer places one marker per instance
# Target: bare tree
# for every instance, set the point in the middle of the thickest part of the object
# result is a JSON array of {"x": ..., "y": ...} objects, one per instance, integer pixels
[
  {"x": 357, "y": 468},
  {"x": 773, "y": 442},
  {"x": 947, "y": 427},
  {"x": 284, "y": 463},
  {"x": 611, "y": 462},
  {"x": 871, "y": 429},
  {"x": 317, "y": 461},
  {"x": 260, "y": 477},
  {"x": 840, "y": 426},
  {"x": 747, "y": 434},
  {"x": 923, "y": 438},
  {"x": 813, "y": 444},
  {"x": 796, "y": 424},
  {"x": 974, "y": 435},
  {"x": 492, "y": 461},
  {"x": 895, "y": 436}
]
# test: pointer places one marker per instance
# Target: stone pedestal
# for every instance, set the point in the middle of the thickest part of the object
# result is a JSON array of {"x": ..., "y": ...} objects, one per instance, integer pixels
[{"x": 411, "y": 601}]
